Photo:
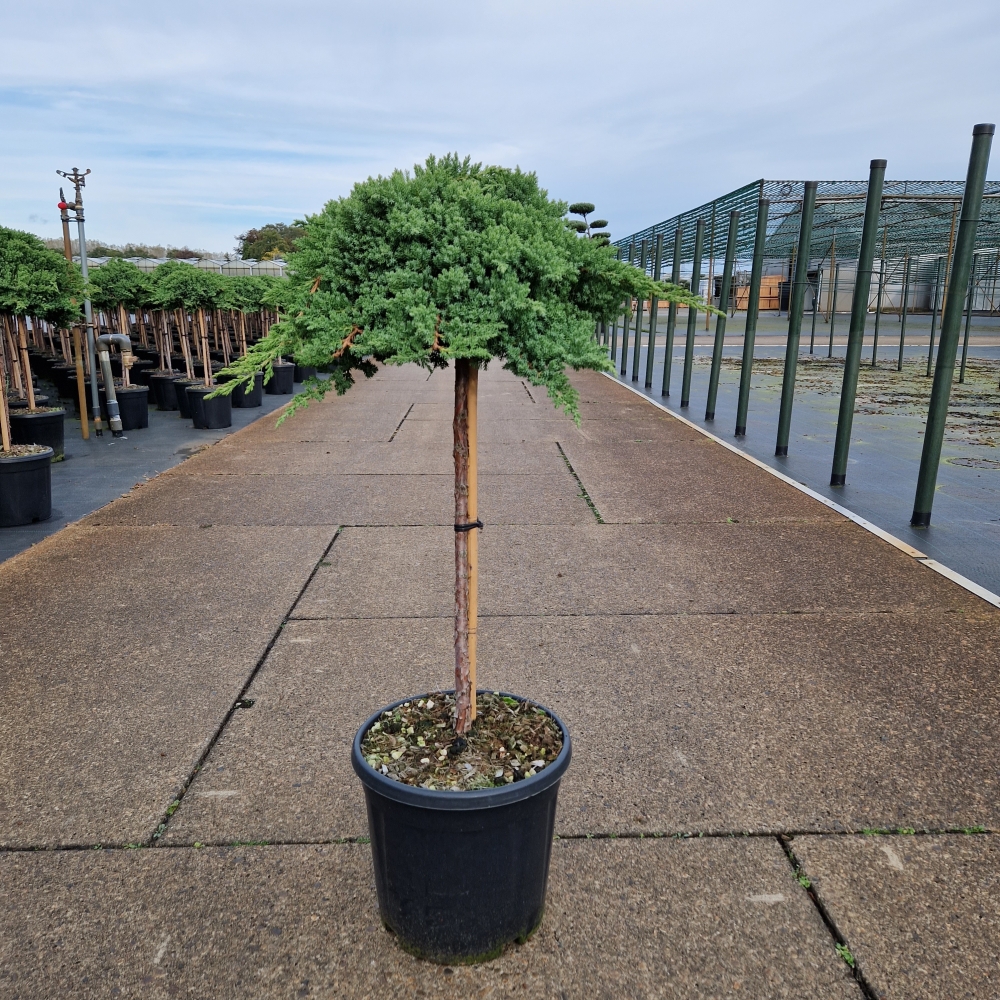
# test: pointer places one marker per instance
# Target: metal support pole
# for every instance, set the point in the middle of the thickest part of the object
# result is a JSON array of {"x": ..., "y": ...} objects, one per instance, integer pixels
[
  {"x": 753, "y": 307},
  {"x": 833, "y": 308},
  {"x": 934, "y": 315},
  {"x": 878, "y": 306},
  {"x": 720, "y": 321},
  {"x": 968, "y": 319},
  {"x": 614, "y": 341},
  {"x": 812, "y": 332},
  {"x": 654, "y": 307},
  {"x": 902, "y": 311},
  {"x": 859, "y": 316},
  {"x": 639, "y": 304},
  {"x": 699, "y": 242},
  {"x": 796, "y": 300},
  {"x": 668, "y": 347},
  {"x": 944, "y": 372},
  {"x": 628, "y": 317}
]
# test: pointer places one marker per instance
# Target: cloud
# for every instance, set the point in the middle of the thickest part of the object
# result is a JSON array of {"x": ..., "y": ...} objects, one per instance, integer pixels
[{"x": 201, "y": 121}]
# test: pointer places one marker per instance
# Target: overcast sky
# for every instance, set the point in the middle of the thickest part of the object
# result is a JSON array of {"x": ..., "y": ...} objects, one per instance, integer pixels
[{"x": 199, "y": 121}]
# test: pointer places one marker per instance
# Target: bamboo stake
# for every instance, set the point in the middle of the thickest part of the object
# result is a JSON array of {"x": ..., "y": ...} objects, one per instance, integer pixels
[
  {"x": 463, "y": 706},
  {"x": 206, "y": 356},
  {"x": 4, "y": 413},
  {"x": 22, "y": 339},
  {"x": 15, "y": 365},
  {"x": 81, "y": 384},
  {"x": 474, "y": 533}
]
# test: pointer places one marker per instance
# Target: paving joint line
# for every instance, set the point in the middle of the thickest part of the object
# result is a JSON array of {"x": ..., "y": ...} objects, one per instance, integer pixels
[
  {"x": 528, "y": 391},
  {"x": 240, "y": 698},
  {"x": 400, "y": 424},
  {"x": 579, "y": 482},
  {"x": 840, "y": 942},
  {"x": 601, "y": 835},
  {"x": 905, "y": 547}
]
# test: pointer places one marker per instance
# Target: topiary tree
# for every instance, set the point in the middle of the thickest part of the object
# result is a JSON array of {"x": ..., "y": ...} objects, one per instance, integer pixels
[
  {"x": 34, "y": 281},
  {"x": 454, "y": 264},
  {"x": 119, "y": 286}
]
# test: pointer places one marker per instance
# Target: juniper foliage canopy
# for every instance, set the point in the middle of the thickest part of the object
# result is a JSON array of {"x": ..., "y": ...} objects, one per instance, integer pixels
[
  {"x": 455, "y": 260},
  {"x": 119, "y": 282},
  {"x": 37, "y": 281}
]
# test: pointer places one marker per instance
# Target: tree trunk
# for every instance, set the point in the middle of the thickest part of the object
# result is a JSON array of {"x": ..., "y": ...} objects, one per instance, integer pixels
[
  {"x": 463, "y": 679},
  {"x": 4, "y": 414},
  {"x": 466, "y": 382},
  {"x": 22, "y": 332}
]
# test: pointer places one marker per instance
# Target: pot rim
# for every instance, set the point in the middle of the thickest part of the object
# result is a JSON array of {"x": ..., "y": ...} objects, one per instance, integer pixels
[
  {"x": 50, "y": 412},
  {"x": 37, "y": 457},
  {"x": 445, "y": 799}
]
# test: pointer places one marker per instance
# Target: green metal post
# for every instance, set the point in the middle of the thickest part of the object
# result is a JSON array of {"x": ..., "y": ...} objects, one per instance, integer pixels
[
  {"x": 654, "y": 306},
  {"x": 934, "y": 313},
  {"x": 699, "y": 243},
  {"x": 720, "y": 321},
  {"x": 859, "y": 316},
  {"x": 833, "y": 308},
  {"x": 639, "y": 303},
  {"x": 878, "y": 307},
  {"x": 816, "y": 294},
  {"x": 944, "y": 371},
  {"x": 902, "y": 311},
  {"x": 968, "y": 319},
  {"x": 668, "y": 347},
  {"x": 753, "y": 307},
  {"x": 796, "y": 298},
  {"x": 628, "y": 317}
]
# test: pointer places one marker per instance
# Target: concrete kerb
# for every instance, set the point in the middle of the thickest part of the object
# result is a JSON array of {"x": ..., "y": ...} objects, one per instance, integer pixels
[{"x": 920, "y": 557}]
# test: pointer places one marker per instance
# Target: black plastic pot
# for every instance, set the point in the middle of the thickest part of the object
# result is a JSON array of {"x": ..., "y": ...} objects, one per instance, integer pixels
[
  {"x": 460, "y": 875},
  {"x": 161, "y": 388},
  {"x": 255, "y": 397},
  {"x": 180, "y": 393},
  {"x": 141, "y": 372},
  {"x": 59, "y": 376},
  {"x": 133, "y": 406},
  {"x": 209, "y": 414},
  {"x": 302, "y": 372},
  {"x": 25, "y": 489},
  {"x": 39, "y": 428},
  {"x": 282, "y": 381},
  {"x": 22, "y": 404}
]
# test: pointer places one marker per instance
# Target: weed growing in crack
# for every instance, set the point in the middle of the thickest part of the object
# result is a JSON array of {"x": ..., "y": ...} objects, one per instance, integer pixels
[{"x": 845, "y": 953}]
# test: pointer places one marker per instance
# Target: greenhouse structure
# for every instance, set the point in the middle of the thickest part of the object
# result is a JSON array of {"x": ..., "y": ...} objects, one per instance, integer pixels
[{"x": 918, "y": 223}]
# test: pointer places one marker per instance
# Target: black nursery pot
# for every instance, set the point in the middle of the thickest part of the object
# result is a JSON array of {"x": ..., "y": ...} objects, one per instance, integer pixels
[
  {"x": 162, "y": 389},
  {"x": 25, "y": 489},
  {"x": 133, "y": 406},
  {"x": 302, "y": 372},
  {"x": 22, "y": 404},
  {"x": 180, "y": 394},
  {"x": 39, "y": 428},
  {"x": 460, "y": 875},
  {"x": 282, "y": 381},
  {"x": 209, "y": 414},
  {"x": 255, "y": 397}
]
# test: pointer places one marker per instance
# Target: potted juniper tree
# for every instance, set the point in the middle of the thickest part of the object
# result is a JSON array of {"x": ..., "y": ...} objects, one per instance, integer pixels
[
  {"x": 454, "y": 266},
  {"x": 38, "y": 282},
  {"x": 116, "y": 288}
]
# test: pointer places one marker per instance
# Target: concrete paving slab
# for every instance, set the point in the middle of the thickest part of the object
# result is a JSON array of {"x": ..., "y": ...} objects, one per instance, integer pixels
[
  {"x": 700, "y": 723},
  {"x": 623, "y": 919},
  {"x": 921, "y": 915},
  {"x": 284, "y": 500},
  {"x": 121, "y": 650},
  {"x": 588, "y": 569},
  {"x": 684, "y": 484}
]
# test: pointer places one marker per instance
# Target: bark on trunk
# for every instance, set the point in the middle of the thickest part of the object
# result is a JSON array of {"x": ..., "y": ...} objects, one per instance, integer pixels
[
  {"x": 463, "y": 679},
  {"x": 22, "y": 331}
]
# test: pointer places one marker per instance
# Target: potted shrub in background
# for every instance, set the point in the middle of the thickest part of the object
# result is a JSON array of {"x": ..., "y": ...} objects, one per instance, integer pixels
[
  {"x": 37, "y": 282},
  {"x": 116, "y": 288},
  {"x": 454, "y": 265}
]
